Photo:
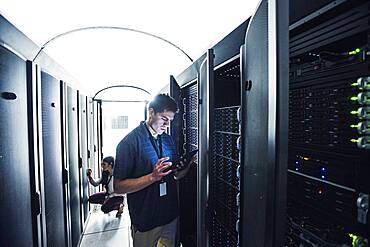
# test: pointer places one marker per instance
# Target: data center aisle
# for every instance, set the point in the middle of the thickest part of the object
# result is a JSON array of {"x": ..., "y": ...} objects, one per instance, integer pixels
[{"x": 105, "y": 230}]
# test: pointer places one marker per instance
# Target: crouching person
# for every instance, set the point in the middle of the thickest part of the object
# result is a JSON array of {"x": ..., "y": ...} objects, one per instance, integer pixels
[{"x": 108, "y": 199}]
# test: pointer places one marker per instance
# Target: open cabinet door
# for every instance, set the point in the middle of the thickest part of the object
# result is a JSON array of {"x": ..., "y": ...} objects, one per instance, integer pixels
[
  {"x": 188, "y": 193},
  {"x": 176, "y": 125},
  {"x": 205, "y": 110},
  {"x": 264, "y": 124}
]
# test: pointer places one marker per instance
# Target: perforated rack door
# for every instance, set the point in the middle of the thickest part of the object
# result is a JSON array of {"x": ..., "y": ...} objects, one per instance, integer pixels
[
  {"x": 224, "y": 178},
  {"x": 188, "y": 184}
]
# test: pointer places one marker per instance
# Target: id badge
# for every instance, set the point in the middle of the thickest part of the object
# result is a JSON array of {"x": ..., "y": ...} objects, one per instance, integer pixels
[{"x": 163, "y": 189}]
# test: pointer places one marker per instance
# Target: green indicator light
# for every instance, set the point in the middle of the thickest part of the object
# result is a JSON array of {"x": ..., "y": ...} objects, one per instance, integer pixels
[
  {"x": 354, "y": 140},
  {"x": 354, "y": 238},
  {"x": 354, "y": 98},
  {"x": 354, "y": 52},
  {"x": 354, "y": 125},
  {"x": 354, "y": 112},
  {"x": 355, "y": 84}
]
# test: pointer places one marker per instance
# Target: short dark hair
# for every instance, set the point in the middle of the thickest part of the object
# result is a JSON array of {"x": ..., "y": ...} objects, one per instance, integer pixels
[
  {"x": 109, "y": 160},
  {"x": 163, "y": 102}
]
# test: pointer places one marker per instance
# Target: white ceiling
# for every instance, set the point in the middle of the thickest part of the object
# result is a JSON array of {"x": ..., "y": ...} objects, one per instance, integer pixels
[{"x": 100, "y": 58}]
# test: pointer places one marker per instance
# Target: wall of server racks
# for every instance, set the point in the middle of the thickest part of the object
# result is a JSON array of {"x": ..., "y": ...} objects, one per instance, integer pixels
[
  {"x": 221, "y": 199},
  {"x": 222, "y": 217},
  {"x": 47, "y": 143},
  {"x": 329, "y": 128}
]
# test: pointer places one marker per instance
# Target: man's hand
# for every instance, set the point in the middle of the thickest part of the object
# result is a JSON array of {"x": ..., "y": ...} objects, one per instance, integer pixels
[
  {"x": 186, "y": 164},
  {"x": 88, "y": 172},
  {"x": 158, "y": 173},
  {"x": 181, "y": 171}
]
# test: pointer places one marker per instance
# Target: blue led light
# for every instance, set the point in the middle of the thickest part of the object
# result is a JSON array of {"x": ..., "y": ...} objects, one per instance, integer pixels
[
  {"x": 296, "y": 169},
  {"x": 296, "y": 162},
  {"x": 323, "y": 177},
  {"x": 323, "y": 169}
]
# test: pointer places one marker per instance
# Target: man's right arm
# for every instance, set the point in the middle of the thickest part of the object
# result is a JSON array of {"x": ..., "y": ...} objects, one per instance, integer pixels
[{"x": 130, "y": 185}]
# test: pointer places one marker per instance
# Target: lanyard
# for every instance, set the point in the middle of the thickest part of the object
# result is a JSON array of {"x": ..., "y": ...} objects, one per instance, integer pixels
[
  {"x": 156, "y": 147},
  {"x": 153, "y": 142}
]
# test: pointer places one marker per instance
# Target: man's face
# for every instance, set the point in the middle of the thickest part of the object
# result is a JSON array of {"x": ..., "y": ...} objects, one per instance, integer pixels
[{"x": 160, "y": 120}]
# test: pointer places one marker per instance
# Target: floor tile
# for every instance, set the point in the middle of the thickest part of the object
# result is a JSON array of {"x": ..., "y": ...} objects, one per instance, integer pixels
[
  {"x": 100, "y": 222},
  {"x": 110, "y": 238}
]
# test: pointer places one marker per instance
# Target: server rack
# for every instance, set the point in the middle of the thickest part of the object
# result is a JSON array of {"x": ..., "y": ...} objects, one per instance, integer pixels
[
  {"x": 328, "y": 185},
  {"x": 226, "y": 105},
  {"x": 19, "y": 186},
  {"x": 224, "y": 161},
  {"x": 196, "y": 100},
  {"x": 35, "y": 153},
  {"x": 65, "y": 163},
  {"x": 184, "y": 130},
  {"x": 52, "y": 161},
  {"x": 26, "y": 180},
  {"x": 73, "y": 162},
  {"x": 83, "y": 154}
]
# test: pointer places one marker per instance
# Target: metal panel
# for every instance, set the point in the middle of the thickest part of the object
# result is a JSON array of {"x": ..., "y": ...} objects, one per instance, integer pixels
[
  {"x": 74, "y": 171},
  {"x": 92, "y": 163},
  {"x": 14, "y": 172},
  {"x": 176, "y": 124},
  {"x": 188, "y": 193},
  {"x": 229, "y": 46},
  {"x": 264, "y": 132},
  {"x": 98, "y": 134},
  {"x": 52, "y": 159},
  {"x": 279, "y": 53},
  {"x": 65, "y": 165},
  {"x": 205, "y": 89},
  {"x": 35, "y": 151},
  {"x": 82, "y": 151}
]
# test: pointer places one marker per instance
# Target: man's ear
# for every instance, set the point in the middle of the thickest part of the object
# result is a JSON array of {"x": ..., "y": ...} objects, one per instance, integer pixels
[{"x": 151, "y": 112}]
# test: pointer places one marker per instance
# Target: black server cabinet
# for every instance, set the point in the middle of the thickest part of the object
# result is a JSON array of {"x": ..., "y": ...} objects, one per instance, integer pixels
[
  {"x": 52, "y": 161},
  {"x": 224, "y": 157},
  {"x": 205, "y": 120},
  {"x": 329, "y": 130},
  {"x": 73, "y": 163},
  {"x": 16, "y": 171},
  {"x": 184, "y": 130},
  {"x": 98, "y": 135},
  {"x": 91, "y": 140},
  {"x": 196, "y": 106},
  {"x": 264, "y": 126},
  {"x": 83, "y": 153},
  {"x": 65, "y": 163},
  {"x": 241, "y": 101}
]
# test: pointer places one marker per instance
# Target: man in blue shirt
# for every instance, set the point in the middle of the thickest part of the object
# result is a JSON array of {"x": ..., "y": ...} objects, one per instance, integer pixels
[{"x": 140, "y": 171}]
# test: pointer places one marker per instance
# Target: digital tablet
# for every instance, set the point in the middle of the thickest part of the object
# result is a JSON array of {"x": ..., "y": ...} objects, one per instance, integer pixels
[{"x": 176, "y": 165}]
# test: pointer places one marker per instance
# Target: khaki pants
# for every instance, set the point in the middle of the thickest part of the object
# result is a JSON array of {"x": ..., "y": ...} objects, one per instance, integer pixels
[{"x": 161, "y": 236}]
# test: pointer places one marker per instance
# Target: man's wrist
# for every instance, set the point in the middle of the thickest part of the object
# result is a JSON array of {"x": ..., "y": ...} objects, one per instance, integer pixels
[{"x": 152, "y": 178}]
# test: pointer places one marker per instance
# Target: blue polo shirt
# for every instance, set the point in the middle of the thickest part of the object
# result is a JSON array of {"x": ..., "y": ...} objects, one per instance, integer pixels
[{"x": 136, "y": 157}]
